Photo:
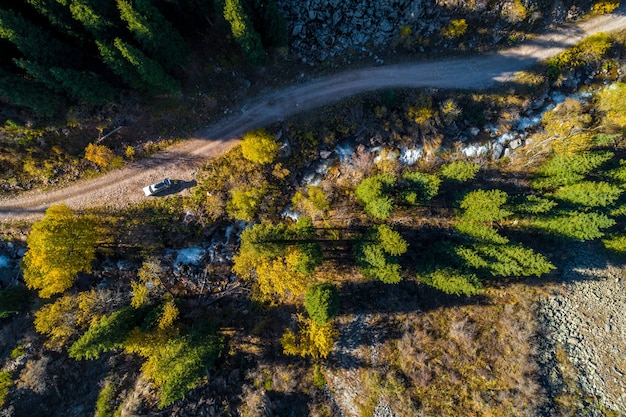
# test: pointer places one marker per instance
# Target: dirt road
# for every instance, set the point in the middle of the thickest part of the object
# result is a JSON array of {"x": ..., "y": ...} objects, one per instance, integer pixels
[{"x": 123, "y": 187}]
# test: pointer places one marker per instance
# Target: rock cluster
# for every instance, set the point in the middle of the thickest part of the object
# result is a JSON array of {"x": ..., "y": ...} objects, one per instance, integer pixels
[
  {"x": 323, "y": 29},
  {"x": 586, "y": 319}
]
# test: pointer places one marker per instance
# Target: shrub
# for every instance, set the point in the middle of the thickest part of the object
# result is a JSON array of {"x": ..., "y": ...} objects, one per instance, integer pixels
[
  {"x": 5, "y": 385},
  {"x": 455, "y": 29},
  {"x": 313, "y": 339},
  {"x": 605, "y": 6},
  {"x": 322, "y": 302},
  {"x": 99, "y": 155}
]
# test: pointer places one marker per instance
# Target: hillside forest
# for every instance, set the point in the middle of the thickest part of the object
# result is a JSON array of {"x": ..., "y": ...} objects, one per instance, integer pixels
[{"x": 330, "y": 261}]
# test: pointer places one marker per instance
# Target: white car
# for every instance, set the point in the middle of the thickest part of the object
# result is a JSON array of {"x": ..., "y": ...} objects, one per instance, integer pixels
[{"x": 157, "y": 187}]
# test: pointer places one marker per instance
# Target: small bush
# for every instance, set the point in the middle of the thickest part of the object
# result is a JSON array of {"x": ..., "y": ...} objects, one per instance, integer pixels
[
  {"x": 5, "y": 385},
  {"x": 605, "y": 6},
  {"x": 459, "y": 171},
  {"x": 455, "y": 29}
]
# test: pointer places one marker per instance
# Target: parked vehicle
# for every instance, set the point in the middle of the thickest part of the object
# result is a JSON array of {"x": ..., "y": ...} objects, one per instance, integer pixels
[{"x": 157, "y": 187}]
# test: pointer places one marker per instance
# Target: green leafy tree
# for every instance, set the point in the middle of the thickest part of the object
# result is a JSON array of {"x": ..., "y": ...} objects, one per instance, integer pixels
[
  {"x": 60, "y": 246},
  {"x": 460, "y": 171},
  {"x": 259, "y": 146},
  {"x": 278, "y": 258},
  {"x": 244, "y": 203},
  {"x": 322, "y": 302},
  {"x": 243, "y": 32},
  {"x": 371, "y": 194}
]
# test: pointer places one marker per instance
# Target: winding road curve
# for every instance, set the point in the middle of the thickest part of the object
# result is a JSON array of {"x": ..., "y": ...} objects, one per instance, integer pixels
[{"x": 123, "y": 187}]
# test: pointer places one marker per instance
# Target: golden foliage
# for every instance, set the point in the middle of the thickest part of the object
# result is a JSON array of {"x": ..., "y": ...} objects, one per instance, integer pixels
[
  {"x": 605, "y": 6},
  {"x": 313, "y": 339},
  {"x": 149, "y": 282},
  {"x": 280, "y": 277},
  {"x": 610, "y": 101},
  {"x": 169, "y": 315},
  {"x": 455, "y": 29},
  {"x": 99, "y": 155},
  {"x": 60, "y": 246},
  {"x": 68, "y": 315}
]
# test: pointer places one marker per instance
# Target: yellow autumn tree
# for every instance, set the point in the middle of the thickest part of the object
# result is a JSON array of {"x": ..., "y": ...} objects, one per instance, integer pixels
[
  {"x": 99, "y": 155},
  {"x": 280, "y": 277},
  {"x": 69, "y": 314},
  {"x": 259, "y": 146},
  {"x": 313, "y": 339},
  {"x": 60, "y": 245}
]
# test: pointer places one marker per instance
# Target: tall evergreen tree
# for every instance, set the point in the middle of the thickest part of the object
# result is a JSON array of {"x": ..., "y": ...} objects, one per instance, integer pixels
[
  {"x": 243, "y": 32},
  {"x": 158, "y": 37}
]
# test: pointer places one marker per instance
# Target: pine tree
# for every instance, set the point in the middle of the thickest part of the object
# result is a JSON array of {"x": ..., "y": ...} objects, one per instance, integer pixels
[
  {"x": 376, "y": 254},
  {"x": 575, "y": 225},
  {"x": 159, "y": 39},
  {"x": 243, "y": 32},
  {"x": 419, "y": 188},
  {"x": 460, "y": 171},
  {"x": 371, "y": 193},
  {"x": 589, "y": 193},
  {"x": 322, "y": 302},
  {"x": 148, "y": 69},
  {"x": 452, "y": 281}
]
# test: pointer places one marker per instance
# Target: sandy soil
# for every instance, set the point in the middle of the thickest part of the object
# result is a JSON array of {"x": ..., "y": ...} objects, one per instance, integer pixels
[{"x": 123, "y": 187}]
